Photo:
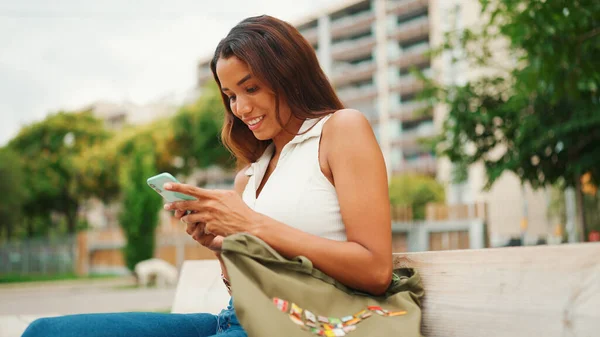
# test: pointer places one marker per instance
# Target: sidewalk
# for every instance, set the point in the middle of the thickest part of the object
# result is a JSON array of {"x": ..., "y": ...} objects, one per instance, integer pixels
[
  {"x": 14, "y": 325},
  {"x": 21, "y": 303}
]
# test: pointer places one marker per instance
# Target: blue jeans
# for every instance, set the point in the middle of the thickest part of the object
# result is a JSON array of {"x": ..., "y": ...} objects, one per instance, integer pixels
[{"x": 142, "y": 324}]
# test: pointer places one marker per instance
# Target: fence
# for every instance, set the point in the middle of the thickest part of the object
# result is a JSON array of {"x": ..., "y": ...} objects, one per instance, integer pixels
[
  {"x": 38, "y": 256},
  {"x": 445, "y": 227},
  {"x": 100, "y": 251}
]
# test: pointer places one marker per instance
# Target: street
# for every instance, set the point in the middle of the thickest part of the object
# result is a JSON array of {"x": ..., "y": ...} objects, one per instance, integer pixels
[{"x": 83, "y": 297}]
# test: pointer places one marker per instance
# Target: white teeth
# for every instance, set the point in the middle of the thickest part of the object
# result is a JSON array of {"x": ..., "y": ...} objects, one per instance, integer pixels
[{"x": 255, "y": 120}]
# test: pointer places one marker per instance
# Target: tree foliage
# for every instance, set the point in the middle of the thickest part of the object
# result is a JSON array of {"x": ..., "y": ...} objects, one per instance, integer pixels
[
  {"x": 197, "y": 130},
  {"x": 541, "y": 118},
  {"x": 415, "y": 191},
  {"x": 140, "y": 205},
  {"x": 99, "y": 167},
  {"x": 14, "y": 192},
  {"x": 192, "y": 135},
  {"x": 55, "y": 164},
  {"x": 120, "y": 167},
  {"x": 48, "y": 150}
]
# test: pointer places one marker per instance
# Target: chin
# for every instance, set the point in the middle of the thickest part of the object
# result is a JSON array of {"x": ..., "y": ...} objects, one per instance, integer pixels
[{"x": 262, "y": 136}]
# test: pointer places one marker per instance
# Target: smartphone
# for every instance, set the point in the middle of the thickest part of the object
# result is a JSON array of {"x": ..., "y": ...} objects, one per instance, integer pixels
[{"x": 157, "y": 182}]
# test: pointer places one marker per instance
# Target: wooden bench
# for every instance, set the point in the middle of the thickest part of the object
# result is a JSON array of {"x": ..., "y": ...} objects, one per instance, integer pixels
[{"x": 535, "y": 291}]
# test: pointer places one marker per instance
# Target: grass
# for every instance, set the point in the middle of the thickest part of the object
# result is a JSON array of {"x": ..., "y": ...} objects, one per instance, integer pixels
[{"x": 17, "y": 278}]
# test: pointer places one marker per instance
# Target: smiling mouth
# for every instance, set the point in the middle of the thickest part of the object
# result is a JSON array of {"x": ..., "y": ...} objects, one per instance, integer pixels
[{"x": 255, "y": 121}]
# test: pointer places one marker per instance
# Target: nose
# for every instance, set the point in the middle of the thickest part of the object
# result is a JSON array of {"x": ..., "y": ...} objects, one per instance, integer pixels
[{"x": 243, "y": 106}]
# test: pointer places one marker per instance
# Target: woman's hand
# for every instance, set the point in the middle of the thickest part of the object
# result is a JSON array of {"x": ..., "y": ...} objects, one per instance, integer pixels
[
  {"x": 215, "y": 213},
  {"x": 196, "y": 231}
]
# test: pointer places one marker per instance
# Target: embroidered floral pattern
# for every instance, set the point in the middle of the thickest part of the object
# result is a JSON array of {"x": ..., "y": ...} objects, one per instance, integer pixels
[{"x": 329, "y": 326}]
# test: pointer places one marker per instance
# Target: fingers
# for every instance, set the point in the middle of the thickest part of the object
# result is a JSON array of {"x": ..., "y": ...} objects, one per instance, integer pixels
[
  {"x": 195, "y": 217},
  {"x": 198, "y": 232},
  {"x": 190, "y": 190},
  {"x": 191, "y": 205},
  {"x": 191, "y": 227},
  {"x": 179, "y": 214}
]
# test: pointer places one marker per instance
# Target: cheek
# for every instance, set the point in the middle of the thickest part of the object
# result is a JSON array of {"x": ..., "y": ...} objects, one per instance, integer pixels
[{"x": 233, "y": 109}]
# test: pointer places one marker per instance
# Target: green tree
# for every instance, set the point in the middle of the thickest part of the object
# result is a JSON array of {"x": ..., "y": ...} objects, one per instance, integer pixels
[
  {"x": 191, "y": 135},
  {"x": 415, "y": 191},
  {"x": 48, "y": 150},
  {"x": 118, "y": 168},
  {"x": 98, "y": 168},
  {"x": 541, "y": 117},
  {"x": 13, "y": 194},
  {"x": 197, "y": 130},
  {"x": 140, "y": 206}
]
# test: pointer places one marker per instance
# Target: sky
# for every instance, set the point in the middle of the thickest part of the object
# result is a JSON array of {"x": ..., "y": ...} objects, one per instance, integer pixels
[{"x": 66, "y": 54}]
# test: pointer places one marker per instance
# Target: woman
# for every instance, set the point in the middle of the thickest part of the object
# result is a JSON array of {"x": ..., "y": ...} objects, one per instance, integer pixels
[{"x": 312, "y": 181}]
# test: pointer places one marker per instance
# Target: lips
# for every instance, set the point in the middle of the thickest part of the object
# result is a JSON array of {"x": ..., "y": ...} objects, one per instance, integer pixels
[{"x": 254, "y": 123}]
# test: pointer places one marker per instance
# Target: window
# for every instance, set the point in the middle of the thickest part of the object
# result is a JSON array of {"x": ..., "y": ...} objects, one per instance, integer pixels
[
  {"x": 360, "y": 7},
  {"x": 362, "y": 59},
  {"x": 410, "y": 16},
  {"x": 354, "y": 37},
  {"x": 308, "y": 25}
]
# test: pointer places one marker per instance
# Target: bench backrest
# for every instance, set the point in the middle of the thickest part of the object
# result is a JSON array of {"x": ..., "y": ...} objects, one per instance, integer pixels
[
  {"x": 510, "y": 292},
  {"x": 518, "y": 291}
]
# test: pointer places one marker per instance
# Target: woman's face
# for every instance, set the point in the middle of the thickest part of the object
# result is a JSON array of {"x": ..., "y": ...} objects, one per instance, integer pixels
[{"x": 250, "y": 100}]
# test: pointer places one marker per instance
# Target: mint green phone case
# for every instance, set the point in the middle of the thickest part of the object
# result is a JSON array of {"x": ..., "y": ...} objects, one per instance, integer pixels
[{"x": 157, "y": 182}]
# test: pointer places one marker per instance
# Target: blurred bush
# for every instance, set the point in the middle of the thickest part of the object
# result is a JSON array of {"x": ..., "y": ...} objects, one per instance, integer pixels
[{"x": 416, "y": 191}]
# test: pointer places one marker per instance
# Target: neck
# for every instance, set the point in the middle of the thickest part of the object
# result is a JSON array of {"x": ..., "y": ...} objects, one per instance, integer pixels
[{"x": 284, "y": 137}]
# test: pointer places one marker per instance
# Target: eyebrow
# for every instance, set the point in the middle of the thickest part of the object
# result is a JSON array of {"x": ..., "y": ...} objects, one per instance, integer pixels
[{"x": 240, "y": 82}]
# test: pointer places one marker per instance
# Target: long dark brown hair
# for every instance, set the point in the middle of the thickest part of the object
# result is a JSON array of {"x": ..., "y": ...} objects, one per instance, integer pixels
[{"x": 279, "y": 56}]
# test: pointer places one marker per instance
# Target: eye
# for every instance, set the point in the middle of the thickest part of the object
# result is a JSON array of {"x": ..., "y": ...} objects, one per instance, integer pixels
[
  {"x": 252, "y": 89},
  {"x": 231, "y": 99}
]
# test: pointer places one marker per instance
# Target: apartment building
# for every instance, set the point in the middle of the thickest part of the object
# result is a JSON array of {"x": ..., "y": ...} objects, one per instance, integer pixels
[
  {"x": 367, "y": 49},
  {"x": 347, "y": 40}
]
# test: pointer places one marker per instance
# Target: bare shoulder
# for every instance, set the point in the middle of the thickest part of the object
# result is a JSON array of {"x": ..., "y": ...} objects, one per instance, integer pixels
[
  {"x": 347, "y": 139},
  {"x": 241, "y": 180},
  {"x": 345, "y": 125},
  {"x": 345, "y": 120}
]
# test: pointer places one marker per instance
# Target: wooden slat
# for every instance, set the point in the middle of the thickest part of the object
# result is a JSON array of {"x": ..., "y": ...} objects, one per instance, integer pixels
[{"x": 518, "y": 291}]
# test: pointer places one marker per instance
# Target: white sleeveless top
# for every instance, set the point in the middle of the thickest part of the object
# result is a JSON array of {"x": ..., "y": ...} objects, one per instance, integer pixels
[{"x": 297, "y": 193}]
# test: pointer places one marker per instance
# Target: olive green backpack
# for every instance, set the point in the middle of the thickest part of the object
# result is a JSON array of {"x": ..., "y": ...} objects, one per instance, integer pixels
[{"x": 275, "y": 296}]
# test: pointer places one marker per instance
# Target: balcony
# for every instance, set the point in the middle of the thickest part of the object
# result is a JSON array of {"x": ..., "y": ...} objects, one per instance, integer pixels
[
  {"x": 407, "y": 7},
  {"x": 417, "y": 57},
  {"x": 352, "y": 25},
  {"x": 311, "y": 35},
  {"x": 345, "y": 74},
  {"x": 411, "y": 31},
  {"x": 425, "y": 164},
  {"x": 411, "y": 111},
  {"x": 408, "y": 86},
  {"x": 349, "y": 50},
  {"x": 351, "y": 96},
  {"x": 409, "y": 140}
]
